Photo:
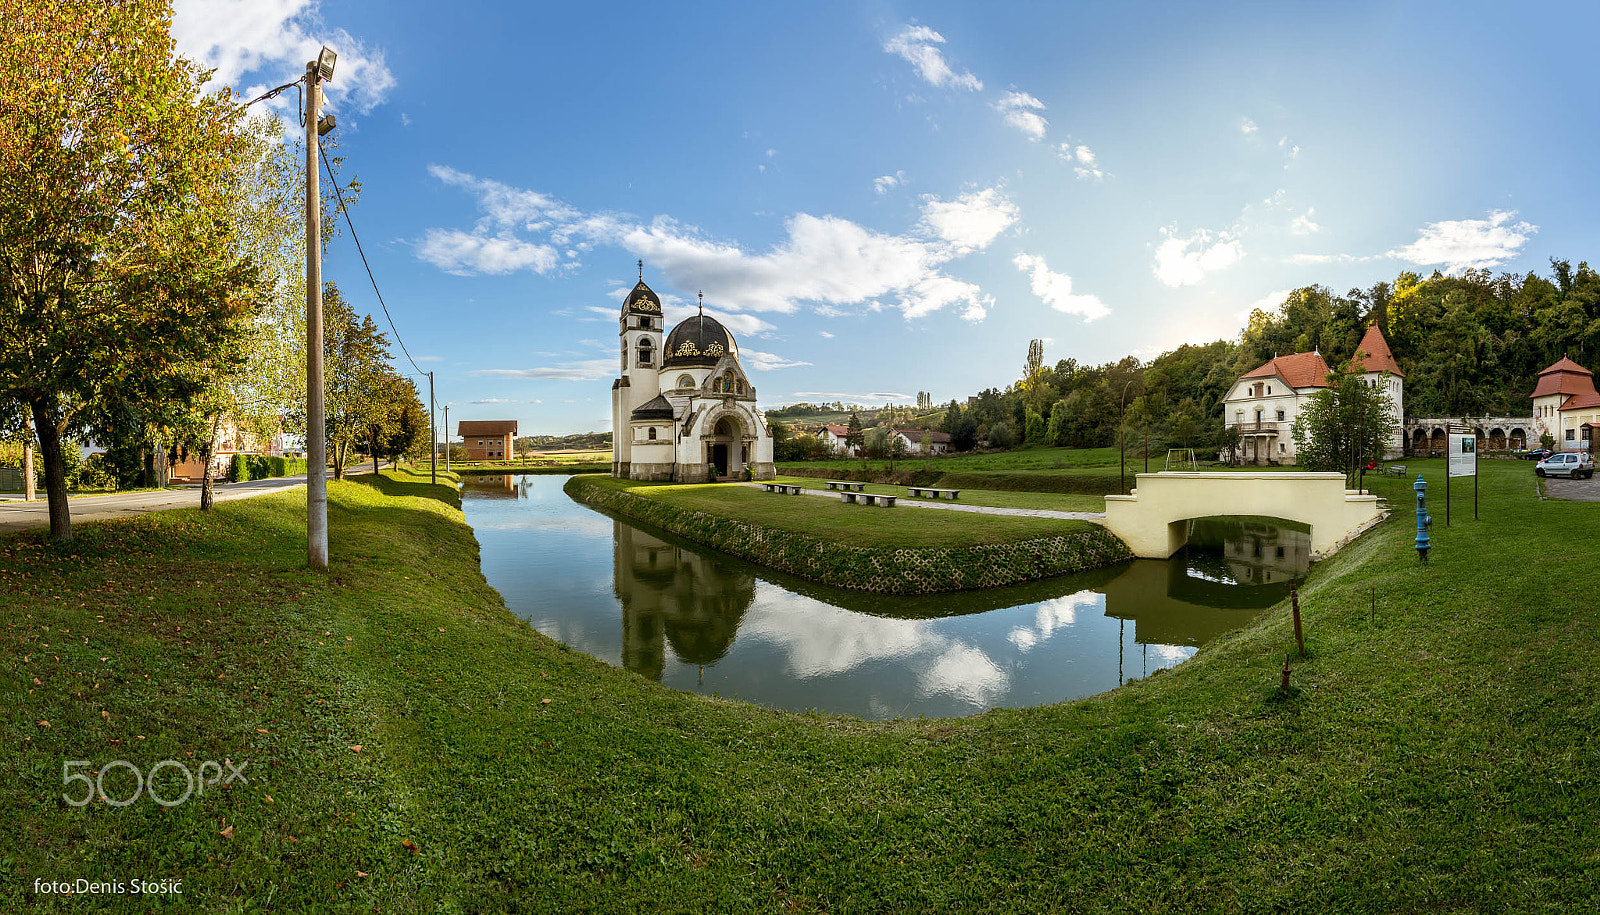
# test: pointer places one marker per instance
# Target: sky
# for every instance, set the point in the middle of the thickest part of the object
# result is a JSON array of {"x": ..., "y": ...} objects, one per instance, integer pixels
[{"x": 882, "y": 198}]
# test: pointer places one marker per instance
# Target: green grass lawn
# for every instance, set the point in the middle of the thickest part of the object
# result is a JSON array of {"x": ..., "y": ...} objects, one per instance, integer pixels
[
  {"x": 1437, "y": 753},
  {"x": 859, "y": 525},
  {"x": 1066, "y": 502}
]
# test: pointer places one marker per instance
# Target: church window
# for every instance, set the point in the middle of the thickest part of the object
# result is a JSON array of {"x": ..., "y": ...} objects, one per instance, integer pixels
[
  {"x": 645, "y": 353},
  {"x": 652, "y": 432},
  {"x": 739, "y": 386},
  {"x": 1269, "y": 389},
  {"x": 1280, "y": 416},
  {"x": 644, "y": 323},
  {"x": 685, "y": 381}
]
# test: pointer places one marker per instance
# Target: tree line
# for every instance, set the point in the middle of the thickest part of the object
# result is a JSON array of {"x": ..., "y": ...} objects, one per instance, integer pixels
[{"x": 151, "y": 258}]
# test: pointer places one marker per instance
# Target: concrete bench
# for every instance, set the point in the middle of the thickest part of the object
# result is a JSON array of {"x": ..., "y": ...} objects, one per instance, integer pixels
[
  {"x": 867, "y": 498},
  {"x": 786, "y": 488},
  {"x": 845, "y": 485},
  {"x": 1398, "y": 470},
  {"x": 934, "y": 493}
]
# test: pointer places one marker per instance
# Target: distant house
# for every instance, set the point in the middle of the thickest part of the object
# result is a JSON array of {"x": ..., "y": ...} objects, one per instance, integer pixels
[
  {"x": 231, "y": 440},
  {"x": 1265, "y": 402},
  {"x": 1567, "y": 407},
  {"x": 487, "y": 439},
  {"x": 938, "y": 442},
  {"x": 837, "y": 439}
]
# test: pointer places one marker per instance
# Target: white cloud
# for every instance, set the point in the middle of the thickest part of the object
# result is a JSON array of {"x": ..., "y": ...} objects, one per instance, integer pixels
[
  {"x": 1268, "y": 303},
  {"x": 1084, "y": 163},
  {"x": 971, "y": 221},
  {"x": 1021, "y": 111},
  {"x": 1305, "y": 259},
  {"x": 825, "y": 261},
  {"x": 917, "y": 45},
  {"x": 825, "y": 335},
  {"x": 495, "y": 400},
  {"x": 405, "y": 119},
  {"x": 430, "y": 358},
  {"x": 1055, "y": 289},
  {"x": 1302, "y": 225},
  {"x": 967, "y": 673},
  {"x": 1248, "y": 127},
  {"x": 254, "y": 45},
  {"x": 1185, "y": 261},
  {"x": 1468, "y": 244},
  {"x": 766, "y": 362},
  {"x": 584, "y": 370},
  {"x": 882, "y": 396},
  {"x": 465, "y": 254},
  {"x": 885, "y": 183}
]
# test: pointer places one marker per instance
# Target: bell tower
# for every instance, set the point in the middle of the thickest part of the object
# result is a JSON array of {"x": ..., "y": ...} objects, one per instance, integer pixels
[{"x": 639, "y": 334}]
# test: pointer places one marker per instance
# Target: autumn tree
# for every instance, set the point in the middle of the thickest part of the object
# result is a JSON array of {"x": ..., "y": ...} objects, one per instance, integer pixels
[
  {"x": 1343, "y": 426},
  {"x": 118, "y": 269}
]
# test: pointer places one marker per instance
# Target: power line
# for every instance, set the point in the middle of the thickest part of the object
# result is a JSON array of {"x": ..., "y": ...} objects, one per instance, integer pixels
[{"x": 346, "y": 210}]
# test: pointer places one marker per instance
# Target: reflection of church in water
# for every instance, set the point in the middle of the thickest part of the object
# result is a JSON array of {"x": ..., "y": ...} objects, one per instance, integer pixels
[{"x": 674, "y": 597}]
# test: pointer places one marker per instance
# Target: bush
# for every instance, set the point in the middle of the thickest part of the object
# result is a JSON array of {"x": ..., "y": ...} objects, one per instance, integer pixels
[
  {"x": 277, "y": 466},
  {"x": 238, "y": 469}
]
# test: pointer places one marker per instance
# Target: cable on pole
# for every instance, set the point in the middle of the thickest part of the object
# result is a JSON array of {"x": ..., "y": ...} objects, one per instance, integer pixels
[{"x": 346, "y": 211}]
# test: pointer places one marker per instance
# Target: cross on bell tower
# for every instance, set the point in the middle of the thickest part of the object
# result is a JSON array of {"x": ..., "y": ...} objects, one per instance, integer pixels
[
  {"x": 641, "y": 269},
  {"x": 702, "y": 303}
]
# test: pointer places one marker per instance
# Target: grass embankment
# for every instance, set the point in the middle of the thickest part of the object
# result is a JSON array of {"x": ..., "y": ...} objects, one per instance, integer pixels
[
  {"x": 864, "y": 548},
  {"x": 542, "y": 462},
  {"x": 1438, "y": 755}
]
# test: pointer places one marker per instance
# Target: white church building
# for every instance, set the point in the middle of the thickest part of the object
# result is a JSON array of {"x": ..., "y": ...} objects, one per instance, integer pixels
[
  {"x": 683, "y": 409},
  {"x": 1264, "y": 403}
]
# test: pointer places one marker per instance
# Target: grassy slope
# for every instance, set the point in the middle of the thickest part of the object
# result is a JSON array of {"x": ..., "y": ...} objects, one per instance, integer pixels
[
  {"x": 1438, "y": 756},
  {"x": 1023, "y": 459},
  {"x": 857, "y": 525}
]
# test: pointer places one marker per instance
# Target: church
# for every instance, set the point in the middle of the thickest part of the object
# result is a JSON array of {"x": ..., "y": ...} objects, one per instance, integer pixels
[{"x": 683, "y": 410}]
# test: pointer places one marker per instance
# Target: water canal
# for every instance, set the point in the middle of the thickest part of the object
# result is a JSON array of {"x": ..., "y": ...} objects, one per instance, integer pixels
[{"x": 696, "y": 619}]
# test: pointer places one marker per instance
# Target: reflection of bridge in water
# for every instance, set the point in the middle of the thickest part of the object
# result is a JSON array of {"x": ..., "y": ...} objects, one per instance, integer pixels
[{"x": 675, "y": 596}]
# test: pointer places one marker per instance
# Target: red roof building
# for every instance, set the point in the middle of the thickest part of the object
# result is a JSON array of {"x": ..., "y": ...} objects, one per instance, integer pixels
[
  {"x": 1567, "y": 407},
  {"x": 1373, "y": 355},
  {"x": 488, "y": 439}
]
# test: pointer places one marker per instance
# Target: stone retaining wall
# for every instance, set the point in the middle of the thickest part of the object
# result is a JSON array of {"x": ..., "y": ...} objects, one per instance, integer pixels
[{"x": 889, "y": 571}]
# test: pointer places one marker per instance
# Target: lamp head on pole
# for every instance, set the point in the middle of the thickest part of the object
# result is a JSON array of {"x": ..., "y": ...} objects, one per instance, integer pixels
[{"x": 325, "y": 62}]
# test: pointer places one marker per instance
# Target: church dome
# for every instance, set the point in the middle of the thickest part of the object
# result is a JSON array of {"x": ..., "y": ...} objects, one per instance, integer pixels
[
  {"x": 698, "y": 340},
  {"x": 642, "y": 300}
]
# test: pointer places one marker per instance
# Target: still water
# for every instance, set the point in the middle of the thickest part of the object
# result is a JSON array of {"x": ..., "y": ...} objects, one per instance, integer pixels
[{"x": 696, "y": 619}]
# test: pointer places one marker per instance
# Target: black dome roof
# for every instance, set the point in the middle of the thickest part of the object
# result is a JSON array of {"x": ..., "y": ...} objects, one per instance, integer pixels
[
  {"x": 642, "y": 300},
  {"x": 698, "y": 340},
  {"x": 658, "y": 408}
]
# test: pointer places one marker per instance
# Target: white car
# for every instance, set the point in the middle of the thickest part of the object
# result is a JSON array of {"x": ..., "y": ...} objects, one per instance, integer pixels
[{"x": 1576, "y": 465}]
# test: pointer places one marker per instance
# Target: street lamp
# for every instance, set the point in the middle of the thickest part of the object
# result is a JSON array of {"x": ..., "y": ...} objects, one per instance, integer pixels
[
  {"x": 317, "y": 71},
  {"x": 1122, "y": 438}
]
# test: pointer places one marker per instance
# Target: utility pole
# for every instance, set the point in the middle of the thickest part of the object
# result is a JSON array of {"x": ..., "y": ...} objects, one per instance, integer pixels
[
  {"x": 316, "y": 432},
  {"x": 433, "y": 436},
  {"x": 446, "y": 438}
]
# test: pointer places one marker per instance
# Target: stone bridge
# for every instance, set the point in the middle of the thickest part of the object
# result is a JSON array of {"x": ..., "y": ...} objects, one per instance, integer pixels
[{"x": 1154, "y": 520}]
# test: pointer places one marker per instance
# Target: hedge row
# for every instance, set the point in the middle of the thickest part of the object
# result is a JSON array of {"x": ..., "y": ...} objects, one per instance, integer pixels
[
  {"x": 263, "y": 467},
  {"x": 1094, "y": 484},
  {"x": 890, "y": 571}
]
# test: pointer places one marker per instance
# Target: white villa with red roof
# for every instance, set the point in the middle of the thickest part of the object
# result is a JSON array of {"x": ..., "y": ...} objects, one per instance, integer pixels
[
  {"x": 1265, "y": 402},
  {"x": 1567, "y": 407}
]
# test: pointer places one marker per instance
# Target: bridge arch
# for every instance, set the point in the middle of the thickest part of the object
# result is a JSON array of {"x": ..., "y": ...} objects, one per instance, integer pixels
[{"x": 1154, "y": 520}]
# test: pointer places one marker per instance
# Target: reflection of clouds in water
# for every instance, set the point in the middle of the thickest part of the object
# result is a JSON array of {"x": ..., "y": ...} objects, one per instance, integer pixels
[
  {"x": 822, "y": 639},
  {"x": 1051, "y": 615},
  {"x": 591, "y": 525},
  {"x": 967, "y": 673},
  {"x": 1171, "y": 654}
]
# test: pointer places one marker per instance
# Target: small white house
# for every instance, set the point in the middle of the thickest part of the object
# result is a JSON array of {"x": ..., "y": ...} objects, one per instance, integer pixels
[
  {"x": 836, "y": 438},
  {"x": 938, "y": 442}
]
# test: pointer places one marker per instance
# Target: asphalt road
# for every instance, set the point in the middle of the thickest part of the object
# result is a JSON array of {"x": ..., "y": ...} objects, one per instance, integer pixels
[
  {"x": 1573, "y": 490},
  {"x": 17, "y": 515}
]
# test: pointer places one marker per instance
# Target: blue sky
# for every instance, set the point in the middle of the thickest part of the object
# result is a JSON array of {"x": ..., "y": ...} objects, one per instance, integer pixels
[{"x": 885, "y": 198}]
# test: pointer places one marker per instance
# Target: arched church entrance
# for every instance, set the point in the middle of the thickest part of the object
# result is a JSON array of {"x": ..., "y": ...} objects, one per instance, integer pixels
[{"x": 725, "y": 447}]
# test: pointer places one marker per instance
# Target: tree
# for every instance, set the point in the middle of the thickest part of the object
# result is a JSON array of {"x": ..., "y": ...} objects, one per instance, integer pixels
[
  {"x": 118, "y": 269},
  {"x": 1343, "y": 426},
  {"x": 853, "y": 439},
  {"x": 356, "y": 365},
  {"x": 964, "y": 437},
  {"x": 1034, "y": 427}
]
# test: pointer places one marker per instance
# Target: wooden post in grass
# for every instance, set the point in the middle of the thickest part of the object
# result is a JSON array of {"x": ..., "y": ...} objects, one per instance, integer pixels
[
  {"x": 1294, "y": 601},
  {"x": 1285, "y": 684}
]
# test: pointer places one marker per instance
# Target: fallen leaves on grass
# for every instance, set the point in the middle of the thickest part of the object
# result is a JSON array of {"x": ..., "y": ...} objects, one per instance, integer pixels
[
  {"x": 412, "y": 846},
  {"x": 227, "y": 833}
]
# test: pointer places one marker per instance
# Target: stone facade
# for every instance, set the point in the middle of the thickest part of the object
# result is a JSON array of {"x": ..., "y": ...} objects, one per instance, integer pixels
[{"x": 1427, "y": 434}]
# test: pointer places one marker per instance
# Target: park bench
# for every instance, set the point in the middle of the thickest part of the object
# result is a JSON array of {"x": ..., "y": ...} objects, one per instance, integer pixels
[
  {"x": 1398, "y": 470},
  {"x": 845, "y": 485},
  {"x": 785, "y": 488},
  {"x": 867, "y": 498},
  {"x": 934, "y": 493}
]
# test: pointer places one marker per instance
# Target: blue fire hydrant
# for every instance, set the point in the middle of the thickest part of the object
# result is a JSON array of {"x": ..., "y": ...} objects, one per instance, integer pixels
[{"x": 1424, "y": 520}]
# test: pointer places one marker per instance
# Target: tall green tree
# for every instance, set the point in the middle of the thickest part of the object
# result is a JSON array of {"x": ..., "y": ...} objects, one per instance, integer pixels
[
  {"x": 1343, "y": 426},
  {"x": 118, "y": 269}
]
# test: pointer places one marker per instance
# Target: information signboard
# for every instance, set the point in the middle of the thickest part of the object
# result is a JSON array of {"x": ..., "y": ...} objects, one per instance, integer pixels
[{"x": 1463, "y": 454}]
